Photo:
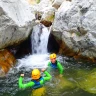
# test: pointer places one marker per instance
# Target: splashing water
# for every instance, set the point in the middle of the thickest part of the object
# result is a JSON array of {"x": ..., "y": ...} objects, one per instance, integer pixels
[
  {"x": 33, "y": 61},
  {"x": 40, "y": 56}
]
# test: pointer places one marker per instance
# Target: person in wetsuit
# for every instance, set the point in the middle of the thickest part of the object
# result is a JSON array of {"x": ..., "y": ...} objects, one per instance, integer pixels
[
  {"x": 37, "y": 80},
  {"x": 55, "y": 64}
]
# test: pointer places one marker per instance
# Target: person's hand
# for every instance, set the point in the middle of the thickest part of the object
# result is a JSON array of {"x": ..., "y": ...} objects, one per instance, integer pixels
[
  {"x": 61, "y": 75},
  {"x": 22, "y": 75},
  {"x": 43, "y": 69}
]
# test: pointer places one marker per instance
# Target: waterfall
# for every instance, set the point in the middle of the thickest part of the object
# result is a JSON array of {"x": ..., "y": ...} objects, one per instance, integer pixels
[
  {"x": 39, "y": 39},
  {"x": 39, "y": 57}
]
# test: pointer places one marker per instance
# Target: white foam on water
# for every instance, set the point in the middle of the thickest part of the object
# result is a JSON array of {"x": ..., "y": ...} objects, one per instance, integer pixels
[{"x": 34, "y": 61}]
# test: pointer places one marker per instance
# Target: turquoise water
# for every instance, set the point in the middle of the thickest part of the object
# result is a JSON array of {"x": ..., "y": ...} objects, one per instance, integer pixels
[{"x": 71, "y": 84}]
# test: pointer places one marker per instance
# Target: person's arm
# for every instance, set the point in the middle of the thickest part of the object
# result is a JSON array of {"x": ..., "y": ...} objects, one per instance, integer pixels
[
  {"x": 27, "y": 85},
  {"x": 49, "y": 63},
  {"x": 60, "y": 67},
  {"x": 47, "y": 77}
]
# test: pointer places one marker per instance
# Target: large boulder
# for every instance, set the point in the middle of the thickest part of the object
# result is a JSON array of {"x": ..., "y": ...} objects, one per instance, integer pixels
[
  {"x": 48, "y": 14},
  {"x": 16, "y": 21},
  {"x": 76, "y": 21}
]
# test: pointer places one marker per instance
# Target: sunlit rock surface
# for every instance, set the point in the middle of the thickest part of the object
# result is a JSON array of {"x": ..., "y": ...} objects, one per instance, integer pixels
[
  {"x": 7, "y": 60},
  {"x": 57, "y": 3},
  {"x": 43, "y": 11},
  {"x": 33, "y": 1},
  {"x": 76, "y": 21},
  {"x": 16, "y": 21},
  {"x": 49, "y": 14}
]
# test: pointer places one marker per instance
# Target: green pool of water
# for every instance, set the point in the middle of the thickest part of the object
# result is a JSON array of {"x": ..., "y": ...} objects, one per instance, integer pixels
[{"x": 79, "y": 79}]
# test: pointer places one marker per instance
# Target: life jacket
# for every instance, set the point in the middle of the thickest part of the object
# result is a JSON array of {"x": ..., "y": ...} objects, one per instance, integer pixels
[
  {"x": 37, "y": 83},
  {"x": 54, "y": 65}
]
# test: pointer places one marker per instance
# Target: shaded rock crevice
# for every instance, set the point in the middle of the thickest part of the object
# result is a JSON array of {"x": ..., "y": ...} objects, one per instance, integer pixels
[{"x": 53, "y": 45}]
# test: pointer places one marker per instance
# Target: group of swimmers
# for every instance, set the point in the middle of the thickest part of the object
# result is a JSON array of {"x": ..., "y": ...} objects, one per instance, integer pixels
[{"x": 38, "y": 80}]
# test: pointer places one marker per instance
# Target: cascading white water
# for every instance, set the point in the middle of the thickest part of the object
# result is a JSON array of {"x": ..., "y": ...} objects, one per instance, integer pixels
[
  {"x": 40, "y": 56},
  {"x": 33, "y": 61},
  {"x": 39, "y": 39}
]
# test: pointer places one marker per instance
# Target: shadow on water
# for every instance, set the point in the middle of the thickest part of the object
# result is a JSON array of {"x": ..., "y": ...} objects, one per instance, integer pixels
[{"x": 73, "y": 83}]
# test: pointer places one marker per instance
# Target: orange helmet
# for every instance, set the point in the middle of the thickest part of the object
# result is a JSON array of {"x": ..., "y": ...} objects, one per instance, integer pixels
[
  {"x": 52, "y": 56},
  {"x": 36, "y": 74}
]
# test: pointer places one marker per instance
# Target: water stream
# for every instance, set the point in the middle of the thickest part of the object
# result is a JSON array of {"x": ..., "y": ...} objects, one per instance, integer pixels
[
  {"x": 39, "y": 39},
  {"x": 71, "y": 84}
]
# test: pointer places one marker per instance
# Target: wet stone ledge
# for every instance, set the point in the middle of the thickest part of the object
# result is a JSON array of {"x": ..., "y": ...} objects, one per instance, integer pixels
[{"x": 7, "y": 60}]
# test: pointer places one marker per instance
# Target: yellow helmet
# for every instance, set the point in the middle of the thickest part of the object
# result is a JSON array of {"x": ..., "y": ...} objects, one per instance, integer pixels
[
  {"x": 36, "y": 74},
  {"x": 53, "y": 55}
]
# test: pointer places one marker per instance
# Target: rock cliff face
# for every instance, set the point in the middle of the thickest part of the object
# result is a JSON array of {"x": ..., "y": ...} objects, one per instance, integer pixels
[
  {"x": 76, "y": 22},
  {"x": 16, "y": 21}
]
